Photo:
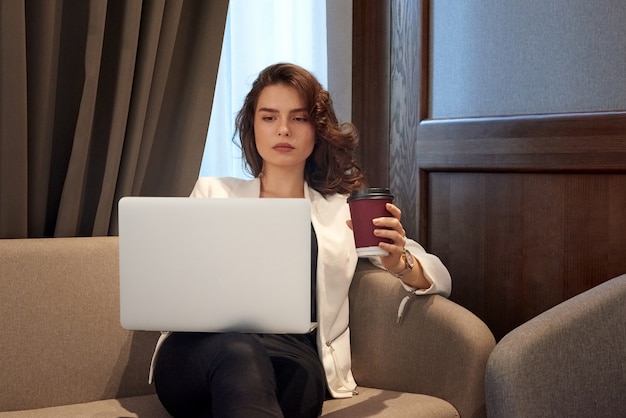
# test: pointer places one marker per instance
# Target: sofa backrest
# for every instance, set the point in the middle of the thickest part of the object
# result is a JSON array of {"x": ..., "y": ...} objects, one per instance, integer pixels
[
  {"x": 62, "y": 342},
  {"x": 569, "y": 361}
]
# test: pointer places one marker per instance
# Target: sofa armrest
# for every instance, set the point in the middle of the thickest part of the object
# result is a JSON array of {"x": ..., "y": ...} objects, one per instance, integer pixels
[
  {"x": 439, "y": 348},
  {"x": 568, "y": 361}
]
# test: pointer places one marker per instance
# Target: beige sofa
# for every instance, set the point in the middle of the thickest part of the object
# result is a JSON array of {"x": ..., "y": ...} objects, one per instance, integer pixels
[{"x": 64, "y": 353}]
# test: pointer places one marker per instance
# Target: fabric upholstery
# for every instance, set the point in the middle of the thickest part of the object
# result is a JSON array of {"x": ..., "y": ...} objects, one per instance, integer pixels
[
  {"x": 569, "y": 361},
  {"x": 439, "y": 348},
  {"x": 136, "y": 406},
  {"x": 62, "y": 342},
  {"x": 389, "y": 404},
  {"x": 64, "y": 353}
]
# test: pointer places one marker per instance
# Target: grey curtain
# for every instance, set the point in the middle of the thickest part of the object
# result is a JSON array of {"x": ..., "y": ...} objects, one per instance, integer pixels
[{"x": 101, "y": 99}]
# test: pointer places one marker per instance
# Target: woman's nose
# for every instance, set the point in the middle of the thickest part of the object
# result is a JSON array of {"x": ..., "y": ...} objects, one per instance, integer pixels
[{"x": 283, "y": 129}]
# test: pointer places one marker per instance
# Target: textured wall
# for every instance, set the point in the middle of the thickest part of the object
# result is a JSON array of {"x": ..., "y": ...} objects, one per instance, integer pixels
[{"x": 511, "y": 57}]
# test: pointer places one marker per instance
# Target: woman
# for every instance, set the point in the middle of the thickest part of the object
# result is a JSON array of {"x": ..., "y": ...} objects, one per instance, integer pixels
[{"x": 294, "y": 148}]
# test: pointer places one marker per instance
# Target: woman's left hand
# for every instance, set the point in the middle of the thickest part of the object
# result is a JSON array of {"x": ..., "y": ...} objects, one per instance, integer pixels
[{"x": 391, "y": 228}]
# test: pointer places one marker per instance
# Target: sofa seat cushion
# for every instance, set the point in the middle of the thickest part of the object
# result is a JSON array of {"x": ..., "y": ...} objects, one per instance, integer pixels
[
  {"x": 136, "y": 406},
  {"x": 368, "y": 403},
  {"x": 388, "y": 404}
]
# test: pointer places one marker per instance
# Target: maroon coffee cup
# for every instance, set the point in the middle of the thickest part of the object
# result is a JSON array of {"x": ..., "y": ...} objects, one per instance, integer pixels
[{"x": 365, "y": 205}]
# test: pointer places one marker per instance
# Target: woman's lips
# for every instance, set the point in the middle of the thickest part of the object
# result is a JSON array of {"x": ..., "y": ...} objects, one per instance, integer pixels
[{"x": 283, "y": 147}]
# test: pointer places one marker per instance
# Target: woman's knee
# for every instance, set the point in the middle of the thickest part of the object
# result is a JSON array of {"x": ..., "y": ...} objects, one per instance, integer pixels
[
  {"x": 203, "y": 355},
  {"x": 219, "y": 371},
  {"x": 240, "y": 349},
  {"x": 243, "y": 355}
]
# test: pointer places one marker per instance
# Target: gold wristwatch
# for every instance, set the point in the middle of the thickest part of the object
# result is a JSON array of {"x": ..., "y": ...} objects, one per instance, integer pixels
[{"x": 409, "y": 262}]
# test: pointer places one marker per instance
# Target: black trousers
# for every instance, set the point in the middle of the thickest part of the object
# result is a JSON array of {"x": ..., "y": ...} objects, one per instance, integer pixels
[{"x": 240, "y": 375}]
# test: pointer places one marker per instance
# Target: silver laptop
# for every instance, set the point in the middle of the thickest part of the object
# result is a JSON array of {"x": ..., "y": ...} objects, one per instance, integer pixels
[{"x": 215, "y": 265}]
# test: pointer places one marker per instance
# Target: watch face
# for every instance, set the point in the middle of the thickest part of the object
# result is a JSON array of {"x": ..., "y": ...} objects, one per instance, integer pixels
[{"x": 410, "y": 261}]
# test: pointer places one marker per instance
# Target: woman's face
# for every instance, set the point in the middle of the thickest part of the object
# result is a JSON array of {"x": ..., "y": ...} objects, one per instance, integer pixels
[{"x": 284, "y": 133}]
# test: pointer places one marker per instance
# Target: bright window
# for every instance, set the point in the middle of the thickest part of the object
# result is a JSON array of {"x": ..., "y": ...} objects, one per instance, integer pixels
[{"x": 259, "y": 33}]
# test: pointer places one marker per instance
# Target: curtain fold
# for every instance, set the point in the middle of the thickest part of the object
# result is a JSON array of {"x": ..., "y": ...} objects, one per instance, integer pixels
[
  {"x": 13, "y": 121},
  {"x": 43, "y": 35},
  {"x": 101, "y": 99}
]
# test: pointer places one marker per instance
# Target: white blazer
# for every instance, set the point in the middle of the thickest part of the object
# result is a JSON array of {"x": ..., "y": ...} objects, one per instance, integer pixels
[{"x": 336, "y": 264}]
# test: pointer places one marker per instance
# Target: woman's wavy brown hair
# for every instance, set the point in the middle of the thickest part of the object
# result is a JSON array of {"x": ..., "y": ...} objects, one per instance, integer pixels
[{"x": 331, "y": 167}]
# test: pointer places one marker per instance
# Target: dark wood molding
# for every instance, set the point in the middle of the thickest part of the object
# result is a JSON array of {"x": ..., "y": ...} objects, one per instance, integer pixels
[
  {"x": 422, "y": 21},
  {"x": 406, "y": 84},
  {"x": 370, "y": 86},
  {"x": 559, "y": 143}
]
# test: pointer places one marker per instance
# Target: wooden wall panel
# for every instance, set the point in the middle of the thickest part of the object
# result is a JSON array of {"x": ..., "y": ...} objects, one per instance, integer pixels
[
  {"x": 520, "y": 243},
  {"x": 526, "y": 211}
]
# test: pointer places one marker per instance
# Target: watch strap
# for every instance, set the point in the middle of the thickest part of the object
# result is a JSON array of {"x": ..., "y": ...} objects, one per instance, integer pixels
[{"x": 408, "y": 265}]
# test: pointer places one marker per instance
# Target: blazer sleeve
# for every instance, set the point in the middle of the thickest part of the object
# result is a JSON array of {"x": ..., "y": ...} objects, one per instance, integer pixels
[{"x": 434, "y": 271}]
